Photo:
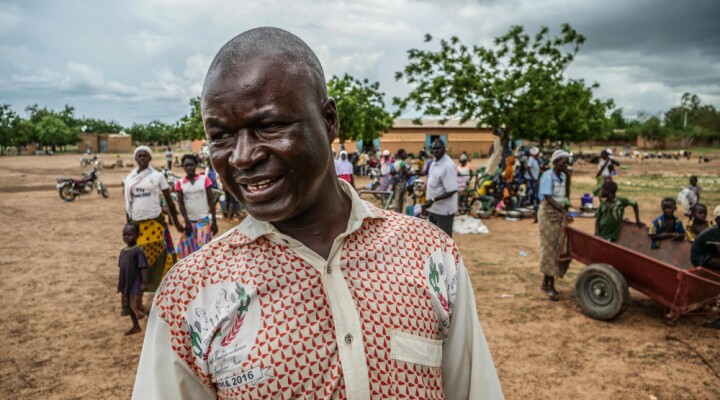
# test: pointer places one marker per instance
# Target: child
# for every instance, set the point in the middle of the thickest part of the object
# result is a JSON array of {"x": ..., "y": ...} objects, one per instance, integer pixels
[
  {"x": 609, "y": 217},
  {"x": 611, "y": 173},
  {"x": 698, "y": 222},
  {"x": 695, "y": 187},
  {"x": 666, "y": 226},
  {"x": 133, "y": 276}
]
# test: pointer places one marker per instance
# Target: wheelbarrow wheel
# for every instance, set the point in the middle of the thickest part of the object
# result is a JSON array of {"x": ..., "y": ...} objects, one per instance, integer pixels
[{"x": 602, "y": 292}]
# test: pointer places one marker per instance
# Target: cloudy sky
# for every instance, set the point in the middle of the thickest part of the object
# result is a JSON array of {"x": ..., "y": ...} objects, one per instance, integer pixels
[{"x": 140, "y": 60}]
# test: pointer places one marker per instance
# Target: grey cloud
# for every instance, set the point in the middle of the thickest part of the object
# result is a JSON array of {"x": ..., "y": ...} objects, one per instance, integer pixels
[{"x": 143, "y": 60}]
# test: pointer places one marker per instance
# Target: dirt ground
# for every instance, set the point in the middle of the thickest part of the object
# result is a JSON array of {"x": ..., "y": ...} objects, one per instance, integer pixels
[{"x": 64, "y": 331}]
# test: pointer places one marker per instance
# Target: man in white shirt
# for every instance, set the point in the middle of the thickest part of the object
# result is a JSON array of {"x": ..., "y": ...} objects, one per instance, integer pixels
[
  {"x": 442, "y": 198},
  {"x": 317, "y": 293}
]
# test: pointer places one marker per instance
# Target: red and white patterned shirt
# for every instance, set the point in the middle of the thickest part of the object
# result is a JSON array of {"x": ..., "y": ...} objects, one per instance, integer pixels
[{"x": 256, "y": 315}]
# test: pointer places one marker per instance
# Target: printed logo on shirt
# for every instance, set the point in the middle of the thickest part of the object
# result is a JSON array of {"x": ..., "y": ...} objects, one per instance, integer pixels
[
  {"x": 253, "y": 376},
  {"x": 223, "y": 320},
  {"x": 441, "y": 274}
]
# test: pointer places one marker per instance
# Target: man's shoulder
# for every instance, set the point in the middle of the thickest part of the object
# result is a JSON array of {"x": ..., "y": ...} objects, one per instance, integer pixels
[{"x": 406, "y": 227}]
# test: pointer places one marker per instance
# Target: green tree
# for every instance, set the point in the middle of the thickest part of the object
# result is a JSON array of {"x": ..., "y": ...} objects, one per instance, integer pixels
[
  {"x": 361, "y": 108},
  {"x": 190, "y": 126},
  {"x": 95, "y": 125},
  {"x": 517, "y": 85},
  {"x": 50, "y": 128},
  {"x": 155, "y": 132},
  {"x": 9, "y": 120}
]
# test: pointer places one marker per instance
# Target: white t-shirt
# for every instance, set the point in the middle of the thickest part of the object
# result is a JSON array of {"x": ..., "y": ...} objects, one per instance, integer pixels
[
  {"x": 146, "y": 195},
  {"x": 195, "y": 196},
  {"x": 442, "y": 178}
]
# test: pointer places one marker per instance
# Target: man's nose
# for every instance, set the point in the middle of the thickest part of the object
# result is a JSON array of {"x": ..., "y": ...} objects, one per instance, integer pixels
[{"x": 247, "y": 152}]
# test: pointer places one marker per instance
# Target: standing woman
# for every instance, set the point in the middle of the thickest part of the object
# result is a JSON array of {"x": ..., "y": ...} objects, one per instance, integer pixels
[
  {"x": 195, "y": 196},
  {"x": 143, "y": 188},
  {"x": 552, "y": 217}
]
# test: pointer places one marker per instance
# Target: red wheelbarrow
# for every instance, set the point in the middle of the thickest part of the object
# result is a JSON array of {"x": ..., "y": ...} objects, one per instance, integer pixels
[{"x": 664, "y": 275}]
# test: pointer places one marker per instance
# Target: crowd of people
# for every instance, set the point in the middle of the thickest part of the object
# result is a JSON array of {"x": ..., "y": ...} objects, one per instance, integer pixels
[{"x": 305, "y": 222}]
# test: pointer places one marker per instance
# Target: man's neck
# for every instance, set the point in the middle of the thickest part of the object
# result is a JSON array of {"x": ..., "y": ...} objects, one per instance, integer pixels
[{"x": 318, "y": 227}]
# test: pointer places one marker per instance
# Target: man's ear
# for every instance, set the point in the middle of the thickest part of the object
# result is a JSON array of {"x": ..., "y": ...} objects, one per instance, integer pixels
[{"x": 330, "y": 115}]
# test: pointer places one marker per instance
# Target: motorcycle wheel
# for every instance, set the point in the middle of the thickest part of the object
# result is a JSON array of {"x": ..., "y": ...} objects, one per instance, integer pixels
[
  {"x": 83, "y": 163},
  {"x": 103, "y": 191},
  {"x": 66, "y": 194}
]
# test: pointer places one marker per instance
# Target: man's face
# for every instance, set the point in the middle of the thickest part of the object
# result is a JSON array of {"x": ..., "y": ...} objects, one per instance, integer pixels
[
  {"x": 700, "y": 214},
  {"x": 561, "y": 164},
  {"x": 437, "y": 150},
  {"x": 668, "y": 208},
  {"x": 343, "y": 156},
  {"x": 269, "y": 136},
  {"x": 693, "y": 181},
  {"x": 142, "y": 158}
]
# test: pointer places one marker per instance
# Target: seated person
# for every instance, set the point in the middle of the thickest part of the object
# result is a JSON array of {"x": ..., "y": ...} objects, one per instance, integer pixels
[
  {"x": 666, "y": 226},
  {"x": 609, "y": 217},
  {"x": 509, "y": 198},
  {"x": 488, "y": 194},
  {"x": 698, "y": 222},
  {"x": 705, "y": 252}
]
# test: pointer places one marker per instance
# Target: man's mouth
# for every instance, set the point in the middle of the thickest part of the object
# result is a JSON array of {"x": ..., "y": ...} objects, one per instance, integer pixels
[{"x": 260, "y": 186}]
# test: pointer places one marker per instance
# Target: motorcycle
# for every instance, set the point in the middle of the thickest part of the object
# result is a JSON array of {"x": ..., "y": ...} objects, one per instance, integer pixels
[
  {"x": 94, "y": 161},
  {"x": 70, "y": 188}
]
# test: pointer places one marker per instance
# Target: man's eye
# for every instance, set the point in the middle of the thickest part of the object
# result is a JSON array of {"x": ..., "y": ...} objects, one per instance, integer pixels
[{"x": 221, "y": 136}]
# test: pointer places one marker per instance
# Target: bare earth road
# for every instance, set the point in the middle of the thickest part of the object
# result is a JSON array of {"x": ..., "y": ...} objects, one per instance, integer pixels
[{"x": 63, "y": 332}]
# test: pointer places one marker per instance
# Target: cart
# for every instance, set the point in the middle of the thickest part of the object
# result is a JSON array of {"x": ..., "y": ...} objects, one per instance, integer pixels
[{"x": 664, "y": 275}]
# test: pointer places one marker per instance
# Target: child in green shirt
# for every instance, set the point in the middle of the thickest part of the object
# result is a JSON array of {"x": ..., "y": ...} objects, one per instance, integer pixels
[{"x": 609, "y": 217}]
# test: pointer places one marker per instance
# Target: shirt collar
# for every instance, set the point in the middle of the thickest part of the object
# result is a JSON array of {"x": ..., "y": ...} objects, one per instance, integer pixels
[{"x": 250, "y": 229}]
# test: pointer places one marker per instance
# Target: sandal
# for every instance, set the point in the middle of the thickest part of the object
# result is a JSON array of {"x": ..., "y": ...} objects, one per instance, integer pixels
[{"x": 553, "y": 295}]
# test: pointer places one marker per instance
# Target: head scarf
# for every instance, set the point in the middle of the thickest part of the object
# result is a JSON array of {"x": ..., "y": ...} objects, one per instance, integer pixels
[
  {"x": 716, "y": 212},
  {"x": 559, "y": 154},
  {"x": 534, "y": 151},
  {"x": 142, "y": 148},
  {"x": 343, "y": 152},
  {"x": 386, "y": 152}
]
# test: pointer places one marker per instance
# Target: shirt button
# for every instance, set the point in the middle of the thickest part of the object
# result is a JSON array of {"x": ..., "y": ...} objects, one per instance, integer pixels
[
  {"x": 328, "y": 269},
  {"x": 348, "y": 338}
]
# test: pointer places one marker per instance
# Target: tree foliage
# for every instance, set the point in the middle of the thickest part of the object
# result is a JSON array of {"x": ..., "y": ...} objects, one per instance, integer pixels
[
  {"x": 154, "y": 132},
  {"x": 361, "y": 108},
  {"x": 95, "y": 125},
  {"x": 190, "y": 126},
  {"x": 518, "y": 84}
]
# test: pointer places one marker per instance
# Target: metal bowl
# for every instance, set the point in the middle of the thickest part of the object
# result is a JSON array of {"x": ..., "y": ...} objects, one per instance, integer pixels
[
  {"x": 528, "y": 213},
  {"x": 484, "y": 214},
  {"x": 514, "y": 214}
]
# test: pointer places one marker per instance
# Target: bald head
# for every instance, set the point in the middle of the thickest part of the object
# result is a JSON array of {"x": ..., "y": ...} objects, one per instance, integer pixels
[{"x": 285, "y": 49}]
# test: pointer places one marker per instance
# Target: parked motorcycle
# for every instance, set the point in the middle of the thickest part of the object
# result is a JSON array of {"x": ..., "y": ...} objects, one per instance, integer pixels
[
  {"x": 94, "y": 161},
  {"x": 70, "y": 188}
]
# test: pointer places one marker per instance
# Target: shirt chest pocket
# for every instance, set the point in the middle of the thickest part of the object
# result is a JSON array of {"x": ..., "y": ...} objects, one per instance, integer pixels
[
  {"x": 415, "y": 366},
  {"x": 409, "y": 348}
]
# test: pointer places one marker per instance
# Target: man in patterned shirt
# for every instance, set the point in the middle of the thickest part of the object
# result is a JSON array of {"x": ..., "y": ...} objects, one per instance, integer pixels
[{"x": 316, "y": 294}]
